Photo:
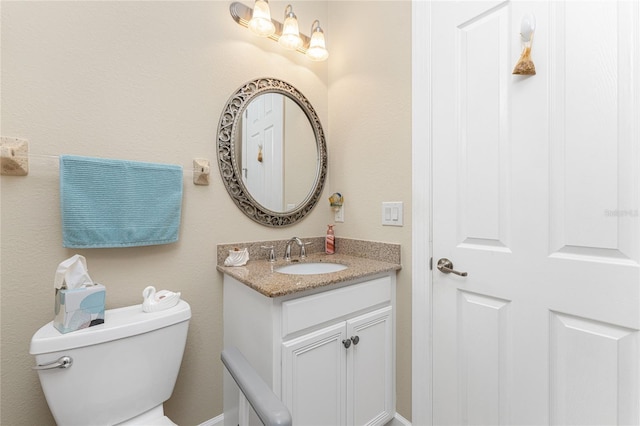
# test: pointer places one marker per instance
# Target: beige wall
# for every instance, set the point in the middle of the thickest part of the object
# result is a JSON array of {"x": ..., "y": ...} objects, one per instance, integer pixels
[
  {"x": 147, "y": 81},
  {"x": 300, "y": 154},
  {"x": 370, "y": 134}
]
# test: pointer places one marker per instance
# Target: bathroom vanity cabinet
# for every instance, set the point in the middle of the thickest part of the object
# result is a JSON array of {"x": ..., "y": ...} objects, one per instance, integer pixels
[{"x": 328, "y": 353}]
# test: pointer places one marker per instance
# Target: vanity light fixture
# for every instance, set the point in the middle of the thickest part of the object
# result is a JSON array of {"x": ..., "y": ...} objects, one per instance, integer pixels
[
  {"x": 290, "y": 38},
  {"x": 260, "y": 22},
  {"x": 313, "y": 47}
]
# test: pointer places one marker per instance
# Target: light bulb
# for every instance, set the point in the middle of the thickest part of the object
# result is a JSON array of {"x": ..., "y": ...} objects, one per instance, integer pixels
[
  {"x": 260, "y": 22},
  {"x": 317, "y": 50},
  {"x": 290, "y": 38}
]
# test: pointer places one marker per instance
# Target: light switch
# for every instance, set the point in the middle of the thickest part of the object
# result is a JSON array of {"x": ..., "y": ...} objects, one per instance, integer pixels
[
  {"x": 338, "y": 215},
  {"x": 392, "y": 213}
]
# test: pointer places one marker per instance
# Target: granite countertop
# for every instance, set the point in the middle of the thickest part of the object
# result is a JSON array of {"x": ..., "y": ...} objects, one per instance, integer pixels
[{"x": 260, "y": 274}]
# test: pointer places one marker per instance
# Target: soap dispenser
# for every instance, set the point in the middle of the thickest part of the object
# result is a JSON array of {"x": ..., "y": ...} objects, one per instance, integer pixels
[{"x": 330, "y": 241}]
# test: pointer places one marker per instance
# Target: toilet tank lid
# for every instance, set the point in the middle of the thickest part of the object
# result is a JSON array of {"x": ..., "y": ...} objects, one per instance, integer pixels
[{"x": 118, "y": 323}]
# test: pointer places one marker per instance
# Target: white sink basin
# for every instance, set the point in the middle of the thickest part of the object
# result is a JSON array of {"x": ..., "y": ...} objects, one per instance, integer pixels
[{"x": 311, "y": 268}]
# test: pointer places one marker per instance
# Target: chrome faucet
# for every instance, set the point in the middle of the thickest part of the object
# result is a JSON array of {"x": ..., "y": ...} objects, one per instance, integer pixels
[{"x": 287, "y": 251}]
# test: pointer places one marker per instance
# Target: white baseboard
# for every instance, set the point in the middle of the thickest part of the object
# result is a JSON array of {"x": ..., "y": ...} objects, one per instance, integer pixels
[{"x": 397, "y": 420}]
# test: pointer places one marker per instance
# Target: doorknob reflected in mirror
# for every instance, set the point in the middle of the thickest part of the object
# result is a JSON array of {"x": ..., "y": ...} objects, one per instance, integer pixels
[{"x": 446, "y": 267}]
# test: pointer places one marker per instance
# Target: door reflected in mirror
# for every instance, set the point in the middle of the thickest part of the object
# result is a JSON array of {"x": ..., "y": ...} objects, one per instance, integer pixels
[
  {"x": 277, "y": 153},
  {"x": 272, "y": 153}
]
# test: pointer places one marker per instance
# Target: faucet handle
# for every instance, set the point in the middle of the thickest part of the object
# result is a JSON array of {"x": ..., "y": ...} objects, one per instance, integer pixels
[
  {"x": 272, "y": 253},
  {"x": 303, "y": 249}
]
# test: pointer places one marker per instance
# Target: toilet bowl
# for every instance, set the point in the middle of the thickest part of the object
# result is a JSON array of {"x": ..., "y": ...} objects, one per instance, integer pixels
[{"x": 119, "y": 372}]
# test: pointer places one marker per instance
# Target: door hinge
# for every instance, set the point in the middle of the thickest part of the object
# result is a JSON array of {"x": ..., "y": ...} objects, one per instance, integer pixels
[{"x": 431, "y": 263}]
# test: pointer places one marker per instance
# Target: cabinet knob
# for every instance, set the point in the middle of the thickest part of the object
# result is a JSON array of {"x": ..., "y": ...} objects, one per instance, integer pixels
[
  {"x": 355, "y": 339},
  {"x": 346, "y": 343}
]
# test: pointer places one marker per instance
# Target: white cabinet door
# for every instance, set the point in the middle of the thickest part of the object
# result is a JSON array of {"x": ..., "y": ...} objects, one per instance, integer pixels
[
  {"x": 313, "y": 377},
  {"x": 370, "y": 368}
]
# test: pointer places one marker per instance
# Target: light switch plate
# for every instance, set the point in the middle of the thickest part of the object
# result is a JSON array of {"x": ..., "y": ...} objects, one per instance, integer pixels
[{"x": 392, "y": 213}]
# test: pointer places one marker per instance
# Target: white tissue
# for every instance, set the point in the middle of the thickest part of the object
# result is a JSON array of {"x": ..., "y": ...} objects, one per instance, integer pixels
[{"x": 72, "y": 273}]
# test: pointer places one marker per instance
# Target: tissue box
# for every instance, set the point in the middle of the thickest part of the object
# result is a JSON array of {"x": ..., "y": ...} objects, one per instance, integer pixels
[{"x": 79, "y": 308}]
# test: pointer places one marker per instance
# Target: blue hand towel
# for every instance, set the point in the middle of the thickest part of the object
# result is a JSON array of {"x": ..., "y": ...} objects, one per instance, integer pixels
[{"x": 118, "y": 203}]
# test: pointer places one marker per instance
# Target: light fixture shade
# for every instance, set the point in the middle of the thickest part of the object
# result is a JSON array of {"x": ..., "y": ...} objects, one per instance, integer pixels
[
  {"x": 290, "y": 38},
  {"x": 260, "y": 22},
  {"x": 317, "y": 50}
]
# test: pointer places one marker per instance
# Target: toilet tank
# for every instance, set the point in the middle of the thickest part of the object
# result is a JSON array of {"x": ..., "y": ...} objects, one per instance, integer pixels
[{"x": 122, "y": 368}]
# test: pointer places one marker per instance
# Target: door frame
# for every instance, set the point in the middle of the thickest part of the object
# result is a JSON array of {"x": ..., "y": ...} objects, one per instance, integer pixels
[{"x": 421, "y": 236}]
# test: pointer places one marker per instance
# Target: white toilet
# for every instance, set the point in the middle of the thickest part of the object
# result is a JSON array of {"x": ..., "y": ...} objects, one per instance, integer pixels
[{"x": 120, "y": 372}]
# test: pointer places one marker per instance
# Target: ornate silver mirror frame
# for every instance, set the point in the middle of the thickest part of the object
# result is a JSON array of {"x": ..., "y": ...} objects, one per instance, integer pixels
[{"x": 230, "y": 170}]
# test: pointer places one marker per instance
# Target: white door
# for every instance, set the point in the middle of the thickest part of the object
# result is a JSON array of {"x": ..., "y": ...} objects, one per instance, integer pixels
[
  {"x": 262, "y": 150},
  {"x": 536, "y": 196},
  {"x": 313, "y": 377},
  {"x": 370, "y": 368}
]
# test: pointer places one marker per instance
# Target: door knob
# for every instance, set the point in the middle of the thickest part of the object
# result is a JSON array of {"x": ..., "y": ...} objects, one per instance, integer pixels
[{"x": 446, "y": 267}]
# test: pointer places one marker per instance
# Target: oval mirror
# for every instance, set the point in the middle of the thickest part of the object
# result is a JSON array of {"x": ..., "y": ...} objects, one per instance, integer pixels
[{"x": 272, "y": 152}]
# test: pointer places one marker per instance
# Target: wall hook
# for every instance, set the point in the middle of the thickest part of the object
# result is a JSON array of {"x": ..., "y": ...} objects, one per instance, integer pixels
[
  {"x": 14, "y": 156},
  {"x": 201, "y": 171}
]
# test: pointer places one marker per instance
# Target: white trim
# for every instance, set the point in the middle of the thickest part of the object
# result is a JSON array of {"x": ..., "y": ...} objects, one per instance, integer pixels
[
  {"x": 421, "y": 209},
  {"x": 398, "y": 420},
  {"x": 216, "y": 421}
]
